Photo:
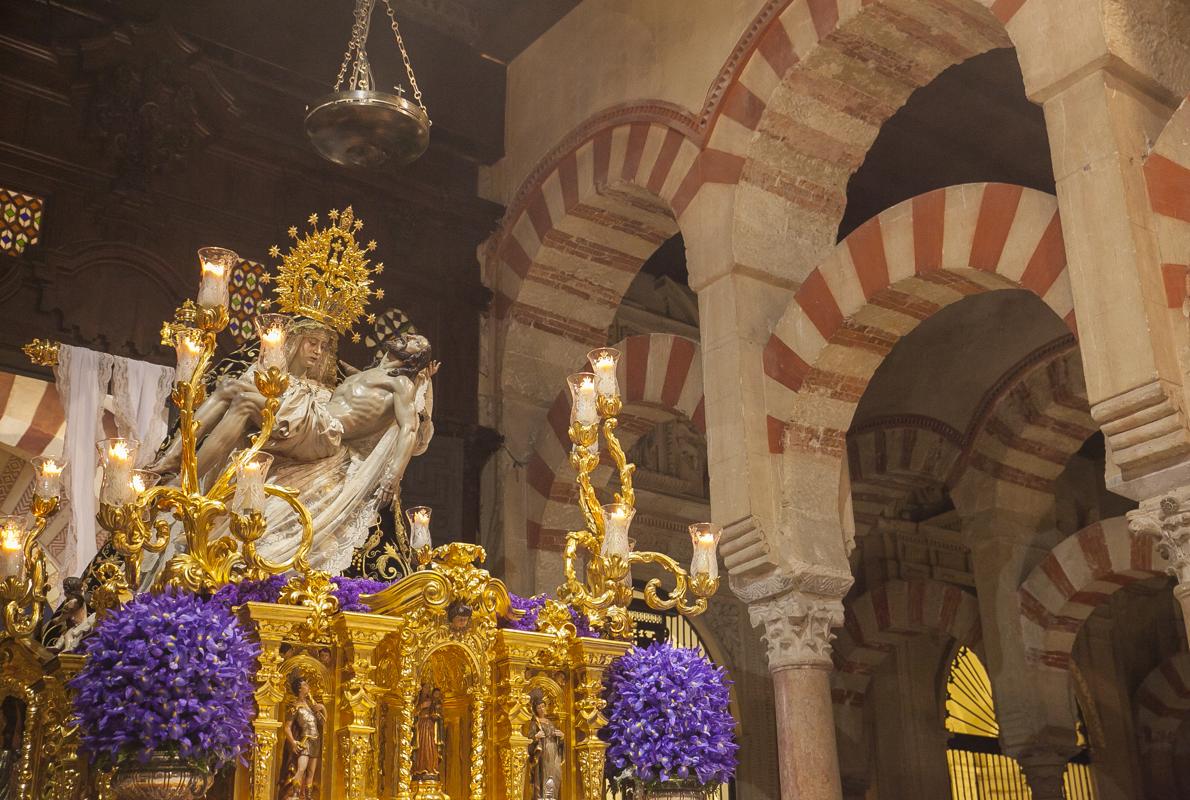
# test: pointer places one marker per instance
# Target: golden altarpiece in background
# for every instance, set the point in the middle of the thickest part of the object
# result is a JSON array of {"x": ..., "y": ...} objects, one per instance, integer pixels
[{"x": 439, "y": 626}]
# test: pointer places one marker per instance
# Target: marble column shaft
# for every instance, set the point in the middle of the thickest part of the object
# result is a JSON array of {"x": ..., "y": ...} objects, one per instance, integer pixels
[{"x": 797, "y": 629}]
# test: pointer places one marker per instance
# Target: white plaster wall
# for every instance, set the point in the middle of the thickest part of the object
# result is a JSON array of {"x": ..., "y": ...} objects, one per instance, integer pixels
[{"x": 605, "y": 53}]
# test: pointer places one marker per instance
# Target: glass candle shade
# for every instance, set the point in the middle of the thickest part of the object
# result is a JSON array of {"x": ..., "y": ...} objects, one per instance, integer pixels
[
  {"x": 117, "y": 457},
  {"x": 216, "y": 264},
  {"x": 13, "y": 530},
  {"x": 603, "y": 365},
  {"x": 142, "y": 479},
  {"x": 273, "y": 330},
  {"x": 582, "y": 399},
  {"x": 189, "y": 349},
  {"x": 617, "y": 517},
  {"x": 705, "y": 538},
  {"x": 419, "y": 527},
  {"x": 250, "y": 480},
  {"x": 47, "y": 476}
]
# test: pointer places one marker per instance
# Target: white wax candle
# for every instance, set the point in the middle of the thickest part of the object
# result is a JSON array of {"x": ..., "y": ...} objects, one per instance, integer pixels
[
  {"x": 272, "y": 343},
  {"x": 212, "y": 290},
  {"x": 47, "y": 476},
  {"x": 605, "y": 375},
  {"x": 250, "y": 479},
  {"x": 585, "y": 411},
  {"x": 189, "y": 350},
  {"x": 118, "y": 456},
  {"x": 419, "y": 528},
  {"x": 12, "y": 534},
  {"x": 705, "y": 538},
  {"x": 617, "y": 517}
]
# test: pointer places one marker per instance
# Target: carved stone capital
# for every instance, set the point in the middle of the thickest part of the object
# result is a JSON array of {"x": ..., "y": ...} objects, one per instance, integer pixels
[
  {"x": 1167, "y": 518},
  {"x": 797, "y": 629}
]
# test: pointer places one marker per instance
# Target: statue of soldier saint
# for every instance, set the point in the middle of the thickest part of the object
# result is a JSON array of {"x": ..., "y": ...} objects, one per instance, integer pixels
[{"x": 343, "y": 449}]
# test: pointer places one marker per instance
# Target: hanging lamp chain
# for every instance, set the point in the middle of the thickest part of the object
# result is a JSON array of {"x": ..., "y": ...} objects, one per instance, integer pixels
[
  {"x": 357, "y": 45},
  {"x": 392, "y": 16}
]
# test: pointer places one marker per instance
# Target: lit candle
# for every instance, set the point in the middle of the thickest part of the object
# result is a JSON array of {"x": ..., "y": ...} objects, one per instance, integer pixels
[
  {"x": 705, "y": 538},
  {"x": 582, "y": 399},
  {"x": 217, "y": 264},
  {"x": 273, "y": 329},
  {"x": 603, "y": 362},
  {"x": 250, "y": 478},
  {"x": 47, "y": 476},
  {"x": 419, "y": 527},
  {"x": 142, "y": 479},
  {"x": 117, "y": 457},
  {"x": 617, "y": 517},
  {"x": 12, "y": 541},
  {"x": 189, "y": 350}
]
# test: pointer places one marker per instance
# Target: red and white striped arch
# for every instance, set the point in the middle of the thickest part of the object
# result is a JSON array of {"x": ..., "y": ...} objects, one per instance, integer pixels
[
  {"x": 1167, "y": 178},
  {"x": 889, "y": 615},
  {"x": 660, "y": 376},
  {"x": 891, "y": 273},
  {"x": 1162, "y": 708},
  {"x": 1076, "y": 577},
  {"x": 32, "y": 420},
  {"x": 831, "y": 72},
  {"x": 890, "y": 459},
  {"x": 1033, "y": 422}
]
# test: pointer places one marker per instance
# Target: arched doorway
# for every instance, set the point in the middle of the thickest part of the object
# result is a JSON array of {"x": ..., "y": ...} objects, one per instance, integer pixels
[{"x": 978, "y": 769}]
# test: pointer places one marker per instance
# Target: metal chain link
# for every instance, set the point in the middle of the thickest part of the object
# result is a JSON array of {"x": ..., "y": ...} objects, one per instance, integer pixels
[
  {"x": 405, "y": 58},
  {"x": 356, "y": 40},
  {"x": 361, "y": 75}
]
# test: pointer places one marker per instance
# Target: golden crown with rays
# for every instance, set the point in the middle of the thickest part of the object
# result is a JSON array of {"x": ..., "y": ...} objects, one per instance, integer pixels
[{"x": 326, "y": 276}]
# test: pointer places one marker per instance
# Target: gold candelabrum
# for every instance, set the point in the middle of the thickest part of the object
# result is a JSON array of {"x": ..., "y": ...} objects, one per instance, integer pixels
[
  {"x": 222, "y": 522},
  {"x": 24, "y": 581},
  {"x": 604, "y": 591}
]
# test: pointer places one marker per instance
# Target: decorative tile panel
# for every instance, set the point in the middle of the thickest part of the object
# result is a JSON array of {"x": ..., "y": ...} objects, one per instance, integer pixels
[{"x": 20, "y": 221}]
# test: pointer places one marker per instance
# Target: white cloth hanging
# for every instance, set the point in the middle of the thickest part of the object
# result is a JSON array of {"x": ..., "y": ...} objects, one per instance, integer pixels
[
  {"x": 139, "y": 394},
  {"x": 82, "y": 378}
]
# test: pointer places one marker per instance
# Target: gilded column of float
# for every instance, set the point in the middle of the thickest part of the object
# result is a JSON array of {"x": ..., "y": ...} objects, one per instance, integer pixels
[
  {"x": 514, "y": 744},
  {"x": 272, "y": 631},
  {"x": 63, "y": 768},
  {"x": 360, "y": 637},
  {"x": 479, "y": 740},
  {"x": 407, "y": 687}
]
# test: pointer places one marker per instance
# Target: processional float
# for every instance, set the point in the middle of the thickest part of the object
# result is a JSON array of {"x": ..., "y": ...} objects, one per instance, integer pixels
[{"x": 428, "y": 666}]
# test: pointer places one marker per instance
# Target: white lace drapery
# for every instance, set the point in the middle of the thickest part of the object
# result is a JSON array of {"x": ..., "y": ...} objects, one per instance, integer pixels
[
  {"x": 82, "y": 378},
  {"x": 139, "y": 394}
]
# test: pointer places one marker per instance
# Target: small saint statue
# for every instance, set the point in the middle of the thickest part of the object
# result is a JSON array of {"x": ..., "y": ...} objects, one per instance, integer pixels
[
  {"x": 545, "y": 751},
  {"x": 429, "y": 738},
  {"x": 303, "y": 741},
  {"x": 458, "y": 616}
]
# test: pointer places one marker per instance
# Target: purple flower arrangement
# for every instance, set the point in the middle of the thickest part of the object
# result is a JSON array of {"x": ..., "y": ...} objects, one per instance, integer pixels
[
  {"x": 167, "y": 673},
  {"x": 667, "y": 718},
  {"x": 348, "y": 590},
  {"x": 531, "y": 606},
  {"x": 259, "y": 591}
]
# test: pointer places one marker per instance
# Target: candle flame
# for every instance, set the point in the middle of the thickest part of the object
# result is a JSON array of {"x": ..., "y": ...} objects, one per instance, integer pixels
[
  {"x": 211, "y": 268},
  {"x": 193, "y": 346},
  {"x": 51, "y": 469},
  {"x": 137, "y": 483},
  {"x": 422, "y": 517},
  {"x": 10, "y": 535},
  {"x": 119, "y": 451},
  {"x": 588, "y": 384},
  {"x": 273, "y": 336}
]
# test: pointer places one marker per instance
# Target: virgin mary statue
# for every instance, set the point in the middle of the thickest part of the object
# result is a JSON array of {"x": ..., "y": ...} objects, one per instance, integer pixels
[{"x": 341, "y": 446}]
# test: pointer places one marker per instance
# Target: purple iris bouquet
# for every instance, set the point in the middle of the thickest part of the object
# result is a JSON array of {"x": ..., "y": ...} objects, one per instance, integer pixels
[
  {"x": 667, "y": 718},
  {"x": 531, "y": 606},
  {"x": 167, "y": 673},
  {"x": 348, "y": 590},
  {"x": 234, "y": 595}
]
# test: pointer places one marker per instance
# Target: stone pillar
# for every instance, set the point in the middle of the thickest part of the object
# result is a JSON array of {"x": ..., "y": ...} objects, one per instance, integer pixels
[
  {"x": 1002, "y": 524},
  {"x": 1108, "y": 86},
  {"x": 797, "y": 629},
  {"x": 1168, "y": 518},
  {"x": 1044, "y": 771}
]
